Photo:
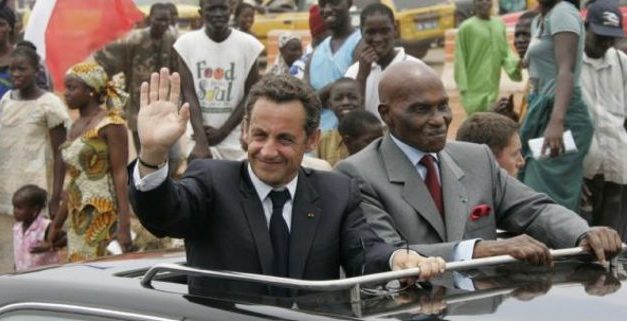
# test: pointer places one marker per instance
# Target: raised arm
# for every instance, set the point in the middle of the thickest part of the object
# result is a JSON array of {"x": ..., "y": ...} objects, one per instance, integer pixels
[{"x": 160, "y": 123}]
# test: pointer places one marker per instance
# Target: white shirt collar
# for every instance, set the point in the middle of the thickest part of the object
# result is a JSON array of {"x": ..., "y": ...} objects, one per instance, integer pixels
[
  {"x": 597, "y": 63},
  {"x": 264, "y": 189},
  {"x": 413, "y": 154},
  {"x": 400, "y": 56}
]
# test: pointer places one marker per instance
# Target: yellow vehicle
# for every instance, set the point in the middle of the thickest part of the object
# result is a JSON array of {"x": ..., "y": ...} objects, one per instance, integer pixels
[{"x": 419, "y": 22}]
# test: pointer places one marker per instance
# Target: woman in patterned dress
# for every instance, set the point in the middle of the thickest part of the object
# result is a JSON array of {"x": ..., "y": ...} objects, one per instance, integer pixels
[{"x": 95, "y": 155}]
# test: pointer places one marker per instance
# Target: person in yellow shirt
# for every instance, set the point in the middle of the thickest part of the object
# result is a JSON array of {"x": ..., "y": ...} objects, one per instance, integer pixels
[{"x": 344, "y": 97}]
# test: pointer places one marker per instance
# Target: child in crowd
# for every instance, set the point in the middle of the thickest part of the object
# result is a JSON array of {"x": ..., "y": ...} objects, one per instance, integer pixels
[
  {"x": 481, "y": 51},
  {"x": 378, "y": 29},
  {"x": 31, "y": 228},
  {"x": 33, "y": 124},
  {"x": 344, "y": 97},
  {"x": 244, "y": 17},
  {"x": 358, "y": 129},
  {"x": 290, "y": 49},
  {"x": 500, "y": 133}
]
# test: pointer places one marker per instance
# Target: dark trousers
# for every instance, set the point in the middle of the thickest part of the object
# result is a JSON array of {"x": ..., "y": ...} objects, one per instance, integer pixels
[{"x": 609, "y": 204}]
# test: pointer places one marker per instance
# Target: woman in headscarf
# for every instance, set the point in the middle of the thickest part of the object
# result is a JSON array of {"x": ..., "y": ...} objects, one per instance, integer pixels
[
  {"x": 7, "y": 29},
  {"x": 96, "y": 154},
  {"x": 290, "y": 49}
]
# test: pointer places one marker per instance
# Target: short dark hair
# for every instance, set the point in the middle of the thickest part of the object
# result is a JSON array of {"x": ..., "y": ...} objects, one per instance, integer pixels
[
  {"x": 373, "y": 8},
  {"x": 159, "y": 6},
  {"x": 492, "y": 129},
  {"x": 172, "y": 7},
  {"x": 240, "y": 7},
  {"x": 33, "y": 195},
  {"x": 341, "y": 81},
  {"x": 28, "y": 50},
  {"x": 356, "y": 121},
  {"x": 285, "y": 88}
]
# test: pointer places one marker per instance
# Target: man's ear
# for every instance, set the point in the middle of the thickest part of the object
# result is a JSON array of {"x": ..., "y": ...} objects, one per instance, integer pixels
[
  {"x": 313, "y": 140},
  {"x": 384, "y": 110},
  {"x": 245, "y": 129}
]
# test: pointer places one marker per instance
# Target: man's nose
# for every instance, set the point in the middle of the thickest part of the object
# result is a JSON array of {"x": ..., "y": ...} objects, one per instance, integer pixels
[{"x": 268, "y": 149}]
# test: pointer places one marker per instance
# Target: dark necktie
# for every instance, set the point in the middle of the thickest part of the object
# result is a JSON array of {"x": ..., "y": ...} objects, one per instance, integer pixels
[
  {"x": 431, "y": 180},
  {"x": 279, "y": 233}
]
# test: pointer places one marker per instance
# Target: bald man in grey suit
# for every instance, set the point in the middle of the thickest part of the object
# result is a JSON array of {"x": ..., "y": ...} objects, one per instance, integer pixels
[{"x": 451, "y": 203}]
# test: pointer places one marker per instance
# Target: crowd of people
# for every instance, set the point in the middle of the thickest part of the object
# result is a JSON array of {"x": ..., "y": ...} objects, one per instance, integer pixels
[{"x": 339, "y": 152}]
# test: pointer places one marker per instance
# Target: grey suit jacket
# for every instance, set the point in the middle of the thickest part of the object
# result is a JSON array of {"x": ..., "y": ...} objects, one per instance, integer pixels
[{"x": 399, "y": 207}]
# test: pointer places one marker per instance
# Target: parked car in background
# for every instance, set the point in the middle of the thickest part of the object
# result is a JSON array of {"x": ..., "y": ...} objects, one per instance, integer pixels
[
  {"x": 153, "y": 286},
  {"x": 420, "y": 23}
]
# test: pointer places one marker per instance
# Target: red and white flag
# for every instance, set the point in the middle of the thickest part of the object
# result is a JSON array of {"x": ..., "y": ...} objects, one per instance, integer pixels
[{"x": 66, "y": 32}]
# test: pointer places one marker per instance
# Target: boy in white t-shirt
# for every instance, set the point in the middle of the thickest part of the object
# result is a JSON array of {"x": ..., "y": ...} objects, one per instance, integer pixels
[
  {"x": 378, "y": 32},
  {"x": 218, "y": 65}
]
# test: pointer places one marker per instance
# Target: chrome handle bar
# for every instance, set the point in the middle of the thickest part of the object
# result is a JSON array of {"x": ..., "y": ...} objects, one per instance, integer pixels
[{"x": 340, "y": 284}]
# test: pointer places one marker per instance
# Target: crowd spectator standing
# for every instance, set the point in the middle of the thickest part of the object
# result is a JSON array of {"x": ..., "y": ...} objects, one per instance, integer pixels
[
  {"x": 218, "y": 66},
  {"x": 244, "y": 17},
  {"x": 522, "y": 37},
  {"x": 555, "y": 104},
  {"x": 344, "y": 97},
  {"x": 290, "y": 49},
  {"x": 481, "y": 51},
  {"x": 33, "y": 124},
  {"x": 31, "y": 228},
  {"x": 7, "y": 31},
  {"x": 319, "y": 32},
  {"x": 141, "y": 53},
  {"x": 378, "y": 30},
  {"x": 441, "y": 197},
  {"x": 604, "y": 87},
  {"x": 95, "y": 155},
  {"x": 358, "y": 129},
  {"x": 334, "y": 55},
  {"x": 498, "y": 132}
]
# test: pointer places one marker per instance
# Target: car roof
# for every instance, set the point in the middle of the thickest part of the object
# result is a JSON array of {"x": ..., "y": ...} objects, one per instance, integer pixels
[{"x": 503, "y": 292}]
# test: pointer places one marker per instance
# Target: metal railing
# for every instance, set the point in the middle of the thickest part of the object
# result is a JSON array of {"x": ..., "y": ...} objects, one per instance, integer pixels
[{"x": 352, "y": 283}]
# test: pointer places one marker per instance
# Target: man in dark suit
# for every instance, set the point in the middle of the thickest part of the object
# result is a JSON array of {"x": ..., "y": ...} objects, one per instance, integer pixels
[
  {"x": 264, "y": 215},
  {"x": 447, "y": 199}
]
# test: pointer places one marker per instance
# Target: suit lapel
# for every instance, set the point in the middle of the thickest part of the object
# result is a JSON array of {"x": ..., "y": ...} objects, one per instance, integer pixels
[
  {"x": 305, "y": 218},
  {"x": 455, "y": 196},
  {"x": 415, "y": 192},
  {"x": 256, "y": 221}
]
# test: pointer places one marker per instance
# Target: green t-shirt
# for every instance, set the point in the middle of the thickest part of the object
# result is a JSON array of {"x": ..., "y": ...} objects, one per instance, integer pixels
[{"x": 564, "y": 17}]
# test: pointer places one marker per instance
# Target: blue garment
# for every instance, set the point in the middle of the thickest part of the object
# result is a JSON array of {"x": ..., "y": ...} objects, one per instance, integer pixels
[
  {"x": 326, "y": 66},
  {"x": 328, "y": 120},
  {"x": 5, "y": 80}
]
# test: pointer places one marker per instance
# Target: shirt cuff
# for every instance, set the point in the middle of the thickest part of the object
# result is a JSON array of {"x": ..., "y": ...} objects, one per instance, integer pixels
[
  {"x": 150, "y": 181},
  {"x": 464, "y": 250},
  {"x": 391, "y": 260},
  {"x": 463, "y": 282}
]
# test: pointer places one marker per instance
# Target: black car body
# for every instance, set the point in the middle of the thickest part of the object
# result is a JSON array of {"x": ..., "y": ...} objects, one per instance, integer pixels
[{"x": 111, "y": 290}]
